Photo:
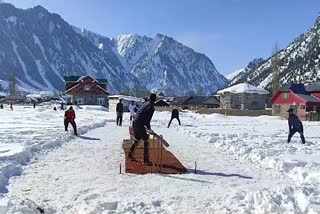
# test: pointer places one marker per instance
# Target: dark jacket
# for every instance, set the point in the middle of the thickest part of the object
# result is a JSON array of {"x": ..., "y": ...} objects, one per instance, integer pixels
[
  {"x": 175, "y": 113},
  {"x": 144, "y": 114},
  {"x": 294, "y": 123},
  {"x": 119, "y": 108}
]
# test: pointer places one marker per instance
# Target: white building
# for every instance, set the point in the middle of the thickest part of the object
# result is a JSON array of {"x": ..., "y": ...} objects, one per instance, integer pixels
[
  {"x": 243, "y": 96},
  {"x": 126, "y": 100}
]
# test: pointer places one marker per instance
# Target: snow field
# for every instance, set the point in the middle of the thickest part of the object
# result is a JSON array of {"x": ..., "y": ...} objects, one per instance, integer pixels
[
  {"x": 263, "y": 141},
  {"x": 244, "y": 165},
  {"x": 26, "y": 131}
]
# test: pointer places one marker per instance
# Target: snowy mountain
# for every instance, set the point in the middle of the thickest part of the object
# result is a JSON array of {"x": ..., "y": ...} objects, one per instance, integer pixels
[
  {"x": 241, "y": 75},
  {"x": 41, "y": 48},
  {"x": 162, "y": 63},
  {"x": 299, "y": 62},
  {"x": 234, "y": 74}
]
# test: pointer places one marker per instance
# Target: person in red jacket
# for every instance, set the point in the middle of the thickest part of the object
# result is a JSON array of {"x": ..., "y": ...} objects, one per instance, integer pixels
[{"x": 69, "y": 117}]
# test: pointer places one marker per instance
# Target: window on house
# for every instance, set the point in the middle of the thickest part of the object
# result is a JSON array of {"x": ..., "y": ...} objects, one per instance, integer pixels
[
  {"x": 285, "y": 96},
  {"x": 80, "y": 100},
  {"x": 302, "y": 107},
  {"x": 309, "y": 108},
  {"x": 277, "y": 108},
  {"x": 100, "y": 101},
  {"x": 254, "y": 103}
]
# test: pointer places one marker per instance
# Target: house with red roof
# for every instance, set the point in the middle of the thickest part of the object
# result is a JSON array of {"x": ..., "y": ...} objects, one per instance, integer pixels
[
  {"x": 302, "y": 99},
  {"x": 85, "y": 90}
]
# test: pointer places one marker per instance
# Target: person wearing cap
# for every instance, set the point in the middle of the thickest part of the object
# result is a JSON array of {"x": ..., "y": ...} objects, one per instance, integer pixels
[
  {"x": 295, "y": 125},
  {"x": 69, "y": 117},
  {"x": 141, "y": 121},
  {"x": 119, "y": 110}
]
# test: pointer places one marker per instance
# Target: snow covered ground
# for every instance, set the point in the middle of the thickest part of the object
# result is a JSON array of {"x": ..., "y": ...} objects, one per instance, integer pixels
[
  {"x": 25, "y": 131},
  {"x": 245, "y": 165}
]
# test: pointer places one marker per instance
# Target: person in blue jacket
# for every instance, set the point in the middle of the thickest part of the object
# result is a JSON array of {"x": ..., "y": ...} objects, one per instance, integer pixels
[
  {"x": 141, "y": 122},
  {"x": 295, "y": 125}
]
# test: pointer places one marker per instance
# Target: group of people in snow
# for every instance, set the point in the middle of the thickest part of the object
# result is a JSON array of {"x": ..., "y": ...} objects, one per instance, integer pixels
[
  {"x": 140, "y": 117},
  {"x": 133, "y": 108}
]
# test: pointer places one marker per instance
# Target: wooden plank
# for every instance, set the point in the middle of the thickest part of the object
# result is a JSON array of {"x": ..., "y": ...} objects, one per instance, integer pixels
[{"x": 170, "y": 164}]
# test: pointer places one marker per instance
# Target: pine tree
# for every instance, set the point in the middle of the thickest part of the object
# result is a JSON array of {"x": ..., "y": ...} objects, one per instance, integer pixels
[
  {"x": 200, "y": 91},
  {"x": 13, "y": 84},
  {"x": 275, "y": 69}
]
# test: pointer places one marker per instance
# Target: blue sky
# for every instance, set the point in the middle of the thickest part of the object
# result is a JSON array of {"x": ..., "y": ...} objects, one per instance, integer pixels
[{"x": 230, "y": 32}]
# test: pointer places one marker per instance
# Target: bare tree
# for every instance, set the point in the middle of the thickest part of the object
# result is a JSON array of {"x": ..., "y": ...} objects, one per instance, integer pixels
[{"x": 275, "y": 69}]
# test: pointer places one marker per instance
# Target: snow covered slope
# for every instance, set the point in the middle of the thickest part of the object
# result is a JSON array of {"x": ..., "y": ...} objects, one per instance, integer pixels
[
  {"x": 163, "y": 64},
  {"x": 233, "y": 74},
  {"x": 42, "y": 48},
  {"x": 242, "y": 75},
  {"x": 299, "y": 62}
]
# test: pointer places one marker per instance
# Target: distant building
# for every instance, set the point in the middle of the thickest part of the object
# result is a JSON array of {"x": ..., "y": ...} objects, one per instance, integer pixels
[
  {"x": 126, "y": 100},
  {"x": 197, "y": 102},
  {"x": 161, "y": 95},
  {"x": 302, "y": 99},
  {"x": 313, "y": 89},
  {"x": 2, "y": 95},
  {"x": 85, "y": 90},
  {"x": 161, "y": 103},
  {"x": 243, "y": 96}
]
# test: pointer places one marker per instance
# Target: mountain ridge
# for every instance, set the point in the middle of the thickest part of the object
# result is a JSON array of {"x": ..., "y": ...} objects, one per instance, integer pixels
[
  {"x": 299, "y": 62},
  {"x": 43, "y": 48}
]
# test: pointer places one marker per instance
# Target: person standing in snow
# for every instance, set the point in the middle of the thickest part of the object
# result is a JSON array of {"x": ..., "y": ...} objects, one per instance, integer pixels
[
  {"x": 142, "y": 120},
  {"x": 62, "y": 106},
  {"x": 34, "y": 104},
  {"x": 119, "y": 110},
  {"x": 295, "y": 125},
  {"x": 69, "y": 117},
  {"x": 174, "y": 115},
  {"x": 11, "y": 105},
  {"x": 1, "y": 106},
  {"x": 132, "y": 109}
]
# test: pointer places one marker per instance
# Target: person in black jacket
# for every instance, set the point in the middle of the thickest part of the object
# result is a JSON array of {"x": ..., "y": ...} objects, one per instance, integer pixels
[
  {"x": 141, "y": 121},
  {"x": 174, "y": 115},
  {"x": 119, "y": 112},
  {"x": 295, "y": 125}
]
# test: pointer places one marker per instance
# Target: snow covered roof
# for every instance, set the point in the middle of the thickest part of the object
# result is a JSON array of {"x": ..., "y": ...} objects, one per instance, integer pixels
[
  {"x": 124, "y": 97},
  {"x": 37, "y": 96},
  {"x": 78, "y": 78},
  {"x": 243, "y": 88},
  {"x": 313, "y": 87}
]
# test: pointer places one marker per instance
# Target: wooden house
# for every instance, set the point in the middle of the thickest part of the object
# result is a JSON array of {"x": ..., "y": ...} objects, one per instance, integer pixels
[
  {"x": 295, "y": 96},
  {"x": 85, "y": 90}
]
